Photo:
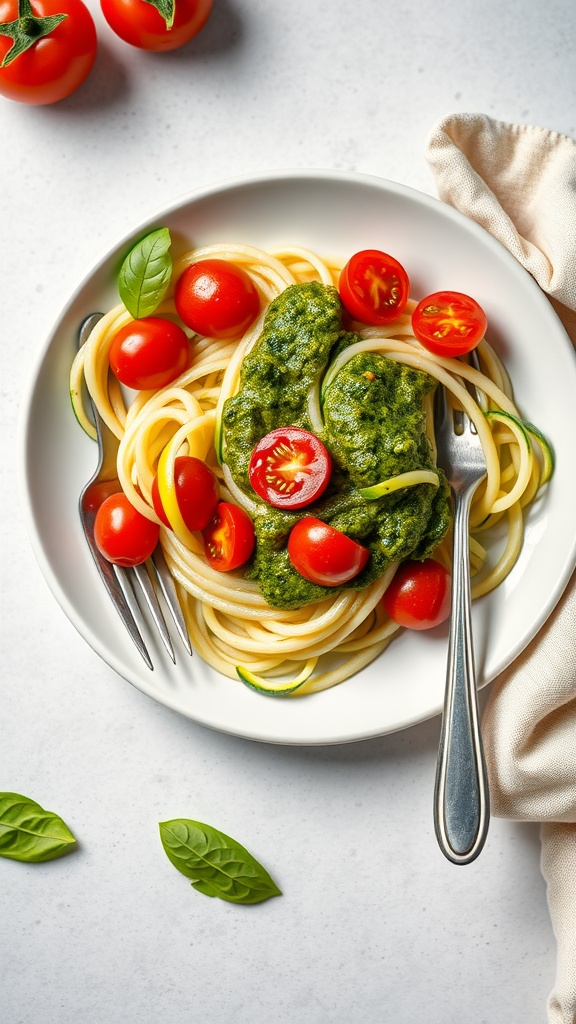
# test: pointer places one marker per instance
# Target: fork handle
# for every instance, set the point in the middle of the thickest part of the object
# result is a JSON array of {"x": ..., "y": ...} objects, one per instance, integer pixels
[{"x": 461, "y": 804}]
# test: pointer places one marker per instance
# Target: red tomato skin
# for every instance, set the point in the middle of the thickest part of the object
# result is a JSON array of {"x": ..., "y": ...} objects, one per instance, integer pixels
[
  {"x": 324, "y": 555},
  {"x": 123, "y": 535},
  {"x": 454, "y": 342},
  {"x": 312, "y": 467},
  {"x": 150, "y": 353},
  {"x": 157, "y": 503},
  {"x": 419, "y": 594},
  {"x": 229, "y": 538},
  {"x": 362, "y": 298},
  {"x": 216, "y": 298},
  {"x": 197, "y": 493},
  {"x": 140, "y": 24},
  {"x": 57, "y": 64}
]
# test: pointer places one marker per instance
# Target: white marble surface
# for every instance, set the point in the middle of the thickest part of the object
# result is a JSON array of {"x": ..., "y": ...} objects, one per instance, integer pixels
[{"x": 374, "y": 925}]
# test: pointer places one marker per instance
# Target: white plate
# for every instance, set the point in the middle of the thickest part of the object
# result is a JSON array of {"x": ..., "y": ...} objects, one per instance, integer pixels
[{"x": 338, "y": 214}]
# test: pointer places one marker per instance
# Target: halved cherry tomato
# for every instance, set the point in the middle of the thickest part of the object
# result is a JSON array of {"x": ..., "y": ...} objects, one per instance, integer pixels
[
  {"x": 150, "y": 353},
  {"x": 55, "y": 52},
  {"x": 122, "y": 533},
  {"x": 323, "y": 554},
  {"x": 229, "y": 538},
  {"x": 140, "y": 23},
  {"x": 197, "y": 492},
  {"x": 449, "y": 323},
  {"x": 419, "y": 595},
  {"x": 216, "y": 298},
  {"x": 374, "y": 287},
  {"x": 290, "y": 467}
]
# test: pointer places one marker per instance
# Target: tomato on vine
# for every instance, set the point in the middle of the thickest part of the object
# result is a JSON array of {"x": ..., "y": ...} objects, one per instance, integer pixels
[
  {"x": 47, "y": 49},
  {"x": 156, "y": 24}
]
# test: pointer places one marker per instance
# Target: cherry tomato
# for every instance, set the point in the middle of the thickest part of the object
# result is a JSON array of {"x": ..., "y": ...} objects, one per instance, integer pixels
[
  {"x": 229, "y": 537},
  {"x": 449, "y": 323},
  {"x": 148, "y": 354},
  {"x": 140, "y": 23},
  {"x": 323, "y": 554},
  {"x": 374, "y": 287},
  {"x": 197, "y": 493},
  {"x": 216, "y": 298},
  {"x": 122, "y": 534},
  {"x": 59, "y": 54},
  {"x": 419, "y": 595},
  {"x": 289, "y": 467},
  {"x": 95, "y": 494}
]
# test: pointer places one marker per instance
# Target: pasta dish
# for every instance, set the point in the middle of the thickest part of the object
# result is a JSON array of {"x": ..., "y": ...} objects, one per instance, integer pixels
[{"x": 237, "y": 618}]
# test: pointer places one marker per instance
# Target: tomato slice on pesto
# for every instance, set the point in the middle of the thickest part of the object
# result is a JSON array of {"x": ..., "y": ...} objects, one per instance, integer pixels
[
  {"x": 374, "y": 287},
  {"x": 290, "y": 467}
]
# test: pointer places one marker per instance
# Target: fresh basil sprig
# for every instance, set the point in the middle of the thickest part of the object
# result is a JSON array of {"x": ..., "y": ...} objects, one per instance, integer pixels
[
  {"x": 145, "y": 274},
  {"x": 29, "y": 833},
  {"x": 216, "y": 864}
]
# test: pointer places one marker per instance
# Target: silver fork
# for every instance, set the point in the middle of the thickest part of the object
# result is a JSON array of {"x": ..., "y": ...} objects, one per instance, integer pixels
[
  {"x": 461, "y": 799},
  {"x": 121, "y": 583}
]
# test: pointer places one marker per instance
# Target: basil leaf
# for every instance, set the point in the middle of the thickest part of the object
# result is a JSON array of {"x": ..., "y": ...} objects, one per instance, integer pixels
[
  {"x": 145, "y": 274},
  {"x": 216, "y": 864},
  {"x": 29, "y": 833},
  {"x": 167, "y": 8}
]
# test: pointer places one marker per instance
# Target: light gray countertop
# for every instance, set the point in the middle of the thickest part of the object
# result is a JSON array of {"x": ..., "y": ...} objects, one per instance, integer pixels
[{"x": 373, "y": 925}]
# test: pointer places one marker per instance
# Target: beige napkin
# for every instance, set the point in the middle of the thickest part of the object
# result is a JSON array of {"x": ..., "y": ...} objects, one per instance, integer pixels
[{"x": 519, "y": 182}]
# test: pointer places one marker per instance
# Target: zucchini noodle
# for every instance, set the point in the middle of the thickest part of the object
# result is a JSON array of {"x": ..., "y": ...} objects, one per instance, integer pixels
[{"x": 229, "y": 622}]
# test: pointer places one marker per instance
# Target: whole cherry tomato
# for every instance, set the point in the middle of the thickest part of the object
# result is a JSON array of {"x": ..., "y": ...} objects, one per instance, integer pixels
[
  {"x": 123, "y": 535},
  {"x": 323, "y": 554},
  {"x": 197, "y": 493},
  {"x": 289, "y": 467},
  {"x": 53, "y": 53},
  {"x": 229, "y": 537},
  {"x": 216, "y": 298},
  {"x": 449, "y": 323},
  {"x": 419, "y": 594},
  {"x": 141, "y": 23},
  {"x": 150, "y": 353},
  {"x": 374, "y": 287}
]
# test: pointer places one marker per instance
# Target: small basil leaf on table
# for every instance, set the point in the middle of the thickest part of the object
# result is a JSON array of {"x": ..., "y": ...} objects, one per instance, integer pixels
[
  {"x": 29, "y": 833},
  {"x": 216, "y": 864},
  {"x": 145, "y": 274}
]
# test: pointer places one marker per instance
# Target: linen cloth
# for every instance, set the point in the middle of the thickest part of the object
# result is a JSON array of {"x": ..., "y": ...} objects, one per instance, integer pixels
[{"x": 519, "y": 183}]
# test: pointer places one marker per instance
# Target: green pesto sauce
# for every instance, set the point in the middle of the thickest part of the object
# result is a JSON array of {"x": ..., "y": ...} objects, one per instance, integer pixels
[{"x": 374, "y": 428}]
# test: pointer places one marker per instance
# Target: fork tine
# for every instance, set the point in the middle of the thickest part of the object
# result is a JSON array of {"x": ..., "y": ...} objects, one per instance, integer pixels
[
  {"x": 442, "y": 411},
  {"x": 143, "y": 576},
  {"x": 169, "y": 590},
  {"x": 119, "y": 586}
]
